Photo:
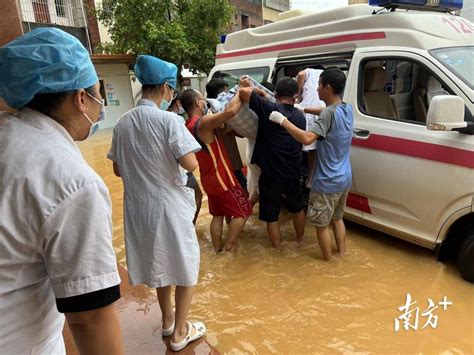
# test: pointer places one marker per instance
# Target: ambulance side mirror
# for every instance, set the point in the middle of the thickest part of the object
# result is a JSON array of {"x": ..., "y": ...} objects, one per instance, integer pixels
[{"x": 446, "y": 112}]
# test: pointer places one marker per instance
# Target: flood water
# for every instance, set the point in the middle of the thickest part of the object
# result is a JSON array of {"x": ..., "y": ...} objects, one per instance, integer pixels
[{"x": 260, "y": 300}]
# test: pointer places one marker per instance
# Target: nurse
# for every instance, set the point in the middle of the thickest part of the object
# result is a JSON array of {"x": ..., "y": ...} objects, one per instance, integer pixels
[
  {"x": 56, "y": 254},
  {"x": 152, "y": 150}
]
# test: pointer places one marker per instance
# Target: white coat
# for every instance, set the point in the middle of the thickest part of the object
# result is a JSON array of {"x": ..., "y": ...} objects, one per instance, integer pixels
[
  {"x": 55, "y": 231},
  {"x": 160, "y": 240}
]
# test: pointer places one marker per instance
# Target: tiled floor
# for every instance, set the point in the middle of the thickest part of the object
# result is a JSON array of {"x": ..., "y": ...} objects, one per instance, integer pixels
[{"x": 140, "y": 317}]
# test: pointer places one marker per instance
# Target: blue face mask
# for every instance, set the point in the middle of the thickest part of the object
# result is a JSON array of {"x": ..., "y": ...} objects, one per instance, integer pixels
[
  {"x": 164, "y": 105},
  {"x": 95, "y": 125}
]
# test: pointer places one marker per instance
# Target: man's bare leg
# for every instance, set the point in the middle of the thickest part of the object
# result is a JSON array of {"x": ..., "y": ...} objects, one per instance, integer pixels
[
  {"x": 340, "y": 235},
  {"x": 324, "y": 240},
  {"x": 299, "y": 220},
  {"x": 235, "y": 227},
  {"x": 216, "y": 232},
  {"x": 253, "y": 198},
  {"x": 273, "y": 230},
  {"x": 183, "y": 298},
  {"x": 198, "y": 198},
  {"x": 164, "y": 299}
]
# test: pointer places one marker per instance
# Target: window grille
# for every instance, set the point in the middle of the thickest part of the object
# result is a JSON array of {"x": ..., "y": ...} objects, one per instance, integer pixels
[
  {"x": 56, "y": 12},
  {"x": 60, "y": 7}
]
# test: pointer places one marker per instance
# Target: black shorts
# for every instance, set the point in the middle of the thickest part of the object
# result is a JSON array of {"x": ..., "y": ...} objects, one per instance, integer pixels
[{"x": 271, "y": 190}]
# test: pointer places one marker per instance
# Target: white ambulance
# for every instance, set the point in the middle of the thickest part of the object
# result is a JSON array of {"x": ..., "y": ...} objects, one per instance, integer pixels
[{"x": 410, "y": 80}]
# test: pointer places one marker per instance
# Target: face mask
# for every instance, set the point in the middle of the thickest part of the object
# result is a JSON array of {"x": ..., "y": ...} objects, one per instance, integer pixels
[
  {"x": 204, "y": 109},
  {"x": 164, "y": 105},
  {"x": 181, "y": 111},
  {"x": 95, "y": 126}
]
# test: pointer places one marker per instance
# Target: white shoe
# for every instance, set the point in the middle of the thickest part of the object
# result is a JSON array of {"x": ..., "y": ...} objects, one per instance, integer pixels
[
  {"x": 168, "y": 331},
  {"x": 200, "y": 331}
]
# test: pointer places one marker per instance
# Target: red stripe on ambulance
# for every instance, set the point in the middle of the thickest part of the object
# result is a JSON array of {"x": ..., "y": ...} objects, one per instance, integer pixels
[
  {"x": 358, "y": 202},
  {"x": 428, "y": 151},
  {"x": 304, "y": 44}
]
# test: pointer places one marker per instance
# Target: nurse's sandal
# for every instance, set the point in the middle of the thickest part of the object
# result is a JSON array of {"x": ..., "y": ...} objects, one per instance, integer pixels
[
  {"x": 168, "y": 331},
  {"x": 190, "y": 337}
]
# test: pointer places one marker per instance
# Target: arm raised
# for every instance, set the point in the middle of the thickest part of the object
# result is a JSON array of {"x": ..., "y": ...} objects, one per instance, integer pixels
[
  {"x": 300, "y": 79},
  {"x": 209, "y": 123},
  {"x": 300, "y": 135}
]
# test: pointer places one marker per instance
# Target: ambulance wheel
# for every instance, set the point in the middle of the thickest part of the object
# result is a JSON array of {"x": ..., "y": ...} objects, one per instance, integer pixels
[{"x": 466, "y": 257}]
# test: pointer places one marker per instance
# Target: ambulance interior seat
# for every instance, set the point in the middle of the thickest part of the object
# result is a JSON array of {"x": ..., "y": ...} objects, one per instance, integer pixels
[
  {"x": 433, "y": 88},
  {"x": 428, "y": 87},
  {"x": 403, "y": 79},
  {"x": 377, "y": 101},
  {"x": 419, "y": 95}
]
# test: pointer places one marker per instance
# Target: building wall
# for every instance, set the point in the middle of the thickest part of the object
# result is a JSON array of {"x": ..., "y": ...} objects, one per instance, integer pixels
[
  {"x": 10, "y": 22},
  {"x": 250, "y": 8},
  {"x": 269, "y": 15},
  {"x": 104, "y": 33},
  {"x": 73, "y": 16},
  {"x": 65, "y": 13},
  {"x": 92, "y": 24},
  {"x": 117, "y": 89},
  {"x": 271, "y": 9}
]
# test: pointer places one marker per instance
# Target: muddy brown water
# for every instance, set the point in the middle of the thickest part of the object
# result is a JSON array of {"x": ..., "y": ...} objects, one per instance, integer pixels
[{"x": 260, "y": 301}]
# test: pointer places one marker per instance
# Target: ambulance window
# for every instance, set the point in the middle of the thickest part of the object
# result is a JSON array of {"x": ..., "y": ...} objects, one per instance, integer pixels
[
  {"x": 287, "y": 70},
  {"x": 232, "y": 76},
  {"x": 399, "y": 89},
  {"x": 293, "y": 70}
]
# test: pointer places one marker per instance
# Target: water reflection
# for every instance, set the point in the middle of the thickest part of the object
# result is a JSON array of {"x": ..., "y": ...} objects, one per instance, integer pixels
[{"x": 259, "y": 300}]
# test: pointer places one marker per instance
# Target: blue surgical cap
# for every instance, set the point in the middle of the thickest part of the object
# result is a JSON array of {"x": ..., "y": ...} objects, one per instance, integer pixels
[
  {"x": 43, "y": 61},
  {"x": 154, "y": 71}
]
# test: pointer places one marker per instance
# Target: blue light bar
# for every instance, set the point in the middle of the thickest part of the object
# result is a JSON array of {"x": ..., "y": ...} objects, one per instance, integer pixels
[{"x": 426, "y": 5}]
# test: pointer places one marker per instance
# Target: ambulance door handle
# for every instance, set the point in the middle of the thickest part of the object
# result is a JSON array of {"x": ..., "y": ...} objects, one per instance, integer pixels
[{"x": 361, "y": 133}]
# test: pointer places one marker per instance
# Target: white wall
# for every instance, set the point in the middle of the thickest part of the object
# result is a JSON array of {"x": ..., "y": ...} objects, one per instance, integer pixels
[
  {"x": 103, "y": 31},
  {"x": 197, "y": 83},
  {"x": 116, "y": 79}
]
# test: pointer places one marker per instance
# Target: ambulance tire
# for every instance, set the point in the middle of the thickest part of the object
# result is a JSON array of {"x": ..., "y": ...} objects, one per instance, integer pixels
[{"x": 466, "y": 257}]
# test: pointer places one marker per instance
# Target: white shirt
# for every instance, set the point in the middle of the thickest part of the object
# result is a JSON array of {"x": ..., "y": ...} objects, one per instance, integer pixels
[
  {"x": 311, "y": 99},
  {"x": 55, "y": 231},
  {"x": 245, "y": 122}
]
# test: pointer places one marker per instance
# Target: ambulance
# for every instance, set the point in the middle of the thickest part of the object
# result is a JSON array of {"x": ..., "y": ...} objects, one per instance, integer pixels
[{"x": 410, "y": 80}]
